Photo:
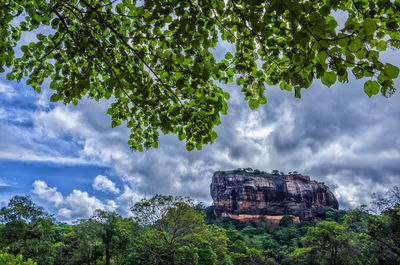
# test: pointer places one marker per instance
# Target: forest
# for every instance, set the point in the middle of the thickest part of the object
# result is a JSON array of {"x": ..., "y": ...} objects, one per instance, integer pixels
[{"x": 176, "y": 230}]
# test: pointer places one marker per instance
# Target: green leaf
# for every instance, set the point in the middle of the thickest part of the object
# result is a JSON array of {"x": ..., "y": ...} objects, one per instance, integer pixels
[
  {"x": 297, "y": 93},
  {"x": 253, "y": 104},
  {"x": 331, "y": 22},
  {"x": 262, "y": 100},
  {"x": 284, "y": 86},
  {"x": 371, "y": 88},
  {"x": 120, "y": 8},
  {"x": 355, "y": 45},
  {"x": 24, "y": 48},
  {"x": 199, "y": 146},
  {"x": 54, "y": 98},
  {"x": 239, "y": 81},
  {"x": 40, "y": 36},
  {"x": 382, "y": 45},
  {"x": 391, "y": 71},
  {"x": 329, "y": 78},
  {"x": 228, "y": 56},
  {"x": 10, "y": 76},
  {"x": 369, "y": 25},
  {"x": 181, "y": 136},
  {"x": 115, "y": 123},
  {"x": 189, "y": 146},
  {"x": 357, "y": 72},
  {"x": 301, "y": 38}
]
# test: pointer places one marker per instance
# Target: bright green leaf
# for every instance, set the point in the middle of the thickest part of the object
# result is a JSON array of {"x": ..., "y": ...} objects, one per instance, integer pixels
[
  {"x": 371, "y": 88},
  {"x": 253, "y": 104},
  {"x": 284, "y": 86},
  {"x": 329, "y": 78}
]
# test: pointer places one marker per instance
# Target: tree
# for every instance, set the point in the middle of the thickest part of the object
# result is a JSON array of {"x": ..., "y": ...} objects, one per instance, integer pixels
[
  {"x": 10, "y": 259},
  {"x": 27, "y": 230},
  {"x": 329, "y": 243},
  {"x": 108, "y": 232},
  {"x": 154, "y": 59},
  {"x": 379, "y": 234},
  {"x": 83, "y": 243},
  {"x": 275, "y": 172},
  {"x": 287, "y": 221},
  {"x": 385, "y": 231},
  {"x": 199, "y": 248},
  {"x": 381, "y": 202},
  {"x": 167, "y": 224}
]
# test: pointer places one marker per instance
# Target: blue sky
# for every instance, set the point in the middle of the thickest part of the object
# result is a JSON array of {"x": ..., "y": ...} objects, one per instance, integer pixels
[{"x": 70, "y": 160}]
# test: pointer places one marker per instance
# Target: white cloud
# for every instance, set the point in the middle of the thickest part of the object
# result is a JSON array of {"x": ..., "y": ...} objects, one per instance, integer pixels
[
  {"x": 58, "y": 122},
  {"x": 79, "y": 204},
  {"x": 41, "y": 189},
  {"x": 102, "y": 183},
  {"x": 129, "y": 197},
  {"x": 7, "y": 90}
]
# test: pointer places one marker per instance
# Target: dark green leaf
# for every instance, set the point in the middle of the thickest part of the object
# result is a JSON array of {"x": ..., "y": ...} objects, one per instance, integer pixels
[
  {"x": 54, "y": 98},
  {"x": 391, "y": 71},
  {"x": 381, "y": 45}
]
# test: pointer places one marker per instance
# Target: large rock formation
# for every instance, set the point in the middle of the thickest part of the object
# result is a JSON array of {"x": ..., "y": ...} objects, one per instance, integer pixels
[{"x": 251, "y": 197}]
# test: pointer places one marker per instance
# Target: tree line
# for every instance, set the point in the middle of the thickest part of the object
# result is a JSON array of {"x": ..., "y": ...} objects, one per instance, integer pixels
[{"x": 175, "y": 230}]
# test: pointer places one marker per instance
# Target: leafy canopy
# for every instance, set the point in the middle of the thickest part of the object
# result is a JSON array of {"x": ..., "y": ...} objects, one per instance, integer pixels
[{"x": 155, "y": 58}]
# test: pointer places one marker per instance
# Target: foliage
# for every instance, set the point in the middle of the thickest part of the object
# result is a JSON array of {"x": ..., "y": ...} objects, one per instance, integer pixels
[
  {"x": 329, "y": 214},
  {"x": 332, "y": 242},
  {"x": 81, "y": 244},
  {"x": 173, "y": 230},
  {"x": 109, "y": 232},
  {"x": 286, "y": 221},
  {"x": 27, "y": 230},
  {"x": 379, "y": 234},
  {"x": 155, "y": 60},
  {"x": 245, "y": 171},
  {"x": 385, "y": 201},
  {"x": 10, "y": 259}
]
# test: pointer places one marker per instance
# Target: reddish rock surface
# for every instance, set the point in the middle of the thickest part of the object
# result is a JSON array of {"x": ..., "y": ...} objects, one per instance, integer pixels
[{"x": 251, "y": 197}]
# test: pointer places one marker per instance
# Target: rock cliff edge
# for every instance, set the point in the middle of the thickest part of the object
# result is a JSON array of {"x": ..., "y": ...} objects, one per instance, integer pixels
[{"x": 252, "y": 197}]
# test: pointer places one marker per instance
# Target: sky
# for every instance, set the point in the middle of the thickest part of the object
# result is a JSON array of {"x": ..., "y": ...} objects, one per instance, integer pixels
[{"x": 71, "y": 162}]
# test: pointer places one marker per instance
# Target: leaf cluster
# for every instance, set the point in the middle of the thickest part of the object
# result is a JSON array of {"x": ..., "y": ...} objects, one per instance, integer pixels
[{"x": 156, "y": 60}]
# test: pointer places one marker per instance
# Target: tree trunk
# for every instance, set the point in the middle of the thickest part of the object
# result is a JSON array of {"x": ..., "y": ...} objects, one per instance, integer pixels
[{"x": 107, "y": 254}]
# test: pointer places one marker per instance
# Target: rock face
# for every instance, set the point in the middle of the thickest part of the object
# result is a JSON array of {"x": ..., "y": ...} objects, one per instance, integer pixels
[{"x": 252, "y": 197}]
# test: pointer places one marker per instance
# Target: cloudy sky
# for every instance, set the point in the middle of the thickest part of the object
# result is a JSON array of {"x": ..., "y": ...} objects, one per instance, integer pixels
[{"x": 70, "y": 160}]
